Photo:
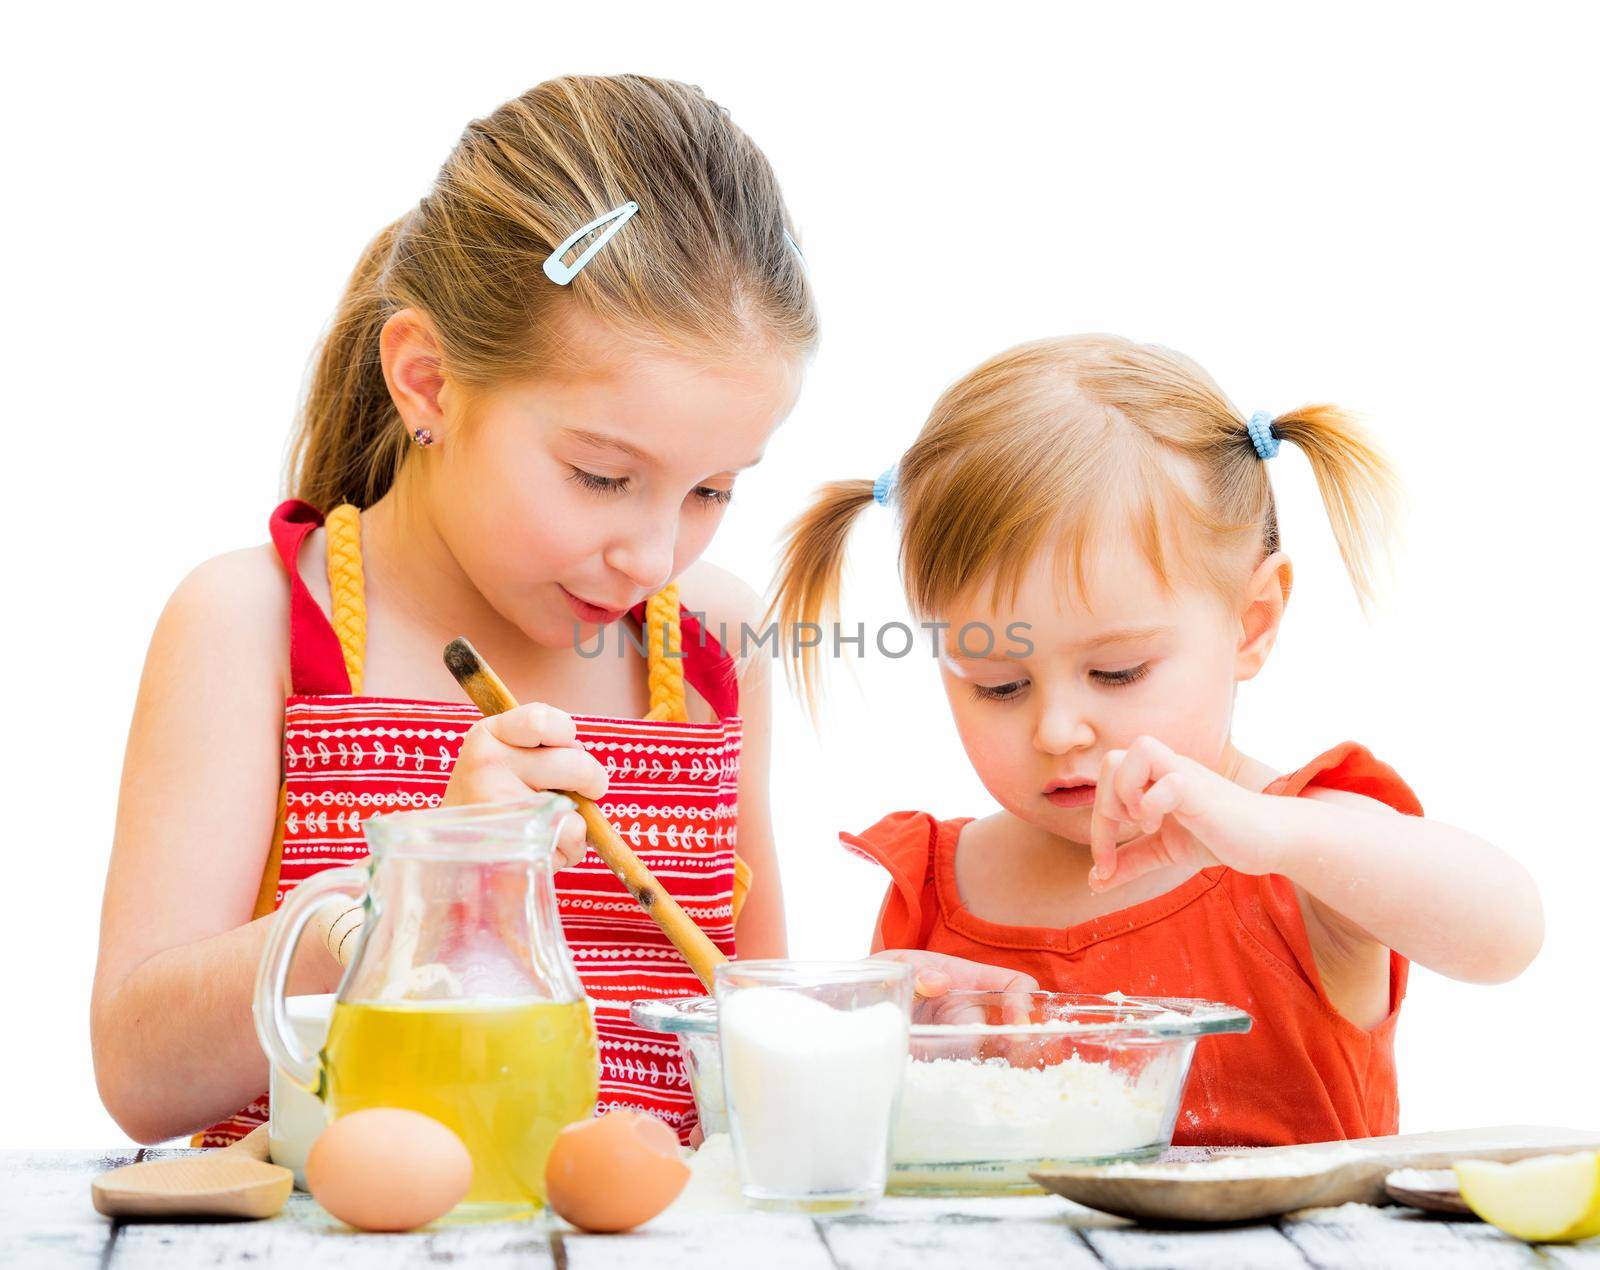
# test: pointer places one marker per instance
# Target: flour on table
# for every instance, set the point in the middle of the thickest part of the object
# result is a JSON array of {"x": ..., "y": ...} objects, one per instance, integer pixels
[
  {"x": 1343, "y": 1215},
  {"x": 713, "y": 1181},
  {"x": 1228, "y": 1168}
]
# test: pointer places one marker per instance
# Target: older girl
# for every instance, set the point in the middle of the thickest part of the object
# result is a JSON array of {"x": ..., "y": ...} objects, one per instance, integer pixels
[{"x": 524, "y": 426}]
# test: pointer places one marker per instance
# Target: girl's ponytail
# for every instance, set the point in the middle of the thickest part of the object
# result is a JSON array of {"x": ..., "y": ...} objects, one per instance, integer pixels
[
  {"x": 809, "y": 572},
  {"x": 349, "y": 443},
  {"x": 1359, "y": 487}
]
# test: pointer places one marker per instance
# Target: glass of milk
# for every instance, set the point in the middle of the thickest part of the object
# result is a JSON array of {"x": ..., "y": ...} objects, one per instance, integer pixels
[{"x": 813, "y": 1053}]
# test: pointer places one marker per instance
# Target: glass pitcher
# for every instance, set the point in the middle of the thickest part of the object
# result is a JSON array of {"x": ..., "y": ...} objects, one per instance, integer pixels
[{"x": 460, "y": 1000}]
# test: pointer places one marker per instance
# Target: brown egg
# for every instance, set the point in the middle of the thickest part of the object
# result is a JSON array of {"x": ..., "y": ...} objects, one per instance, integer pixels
[
  {"x": 614, "y": 1172},
  {"x": 388, "y": 1169}
]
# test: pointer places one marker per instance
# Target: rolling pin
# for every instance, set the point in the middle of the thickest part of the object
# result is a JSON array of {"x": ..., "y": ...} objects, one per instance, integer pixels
[{"x": 491, "y": 696}]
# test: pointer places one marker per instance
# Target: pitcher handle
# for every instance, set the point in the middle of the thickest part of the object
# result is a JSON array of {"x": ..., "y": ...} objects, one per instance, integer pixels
[{"x": 273, "y": 1028}]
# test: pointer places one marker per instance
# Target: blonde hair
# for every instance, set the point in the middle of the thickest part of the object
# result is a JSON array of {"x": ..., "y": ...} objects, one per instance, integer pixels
[
  {"x": 705, "y": 265},
  {"x": 1054, "y": 442}
]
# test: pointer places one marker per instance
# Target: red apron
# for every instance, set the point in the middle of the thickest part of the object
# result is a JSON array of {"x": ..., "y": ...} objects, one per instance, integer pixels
[{"x": 673, "y": 795}]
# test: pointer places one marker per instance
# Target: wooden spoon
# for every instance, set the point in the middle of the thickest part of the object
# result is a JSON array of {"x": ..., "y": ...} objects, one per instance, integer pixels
[
  {"x": 1213, "y": 1190},
  {"x": 491, "y": 696},
  {"x": 236, "y": 1181}
]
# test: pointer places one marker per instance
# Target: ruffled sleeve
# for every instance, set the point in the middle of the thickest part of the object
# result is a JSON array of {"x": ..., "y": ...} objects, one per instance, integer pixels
[
  {"x": 902, "y": 843},
  {"x": 1269, "y": 903},
  {"x": 1352, "y": 768}
]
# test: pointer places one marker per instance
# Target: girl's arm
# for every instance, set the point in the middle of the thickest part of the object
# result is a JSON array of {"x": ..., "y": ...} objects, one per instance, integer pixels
[
  {"x": 1369, "y": 878},
  {"x": 174, "y": 1046},
  {"x": 1436, "y": 894}
]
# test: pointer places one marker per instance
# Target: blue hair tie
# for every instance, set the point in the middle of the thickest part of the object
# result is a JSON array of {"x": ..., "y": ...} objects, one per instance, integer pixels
[
  {"x": 883, "y": 487},
  {"x": 1260, "y": 429}
]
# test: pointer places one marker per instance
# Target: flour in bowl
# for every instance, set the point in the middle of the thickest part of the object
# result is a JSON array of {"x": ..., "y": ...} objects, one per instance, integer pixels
[{"x": 954, "y": 1111}]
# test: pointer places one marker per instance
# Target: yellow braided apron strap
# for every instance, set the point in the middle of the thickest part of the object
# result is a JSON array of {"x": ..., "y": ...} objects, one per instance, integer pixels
[
  {"x": 345, "y": 580},
  {"x": 267, "y": 892},
  {"x": 668, "y": 700},
  {"x": 742, "y": 873},
  {"x": 347, "y": 583},
  {"x": 348, "y": 586},
  {"x": 663, "y": 634}
]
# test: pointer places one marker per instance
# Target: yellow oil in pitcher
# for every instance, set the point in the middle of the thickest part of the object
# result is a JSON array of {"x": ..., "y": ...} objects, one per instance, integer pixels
[{"x": 506, "y": 1078}]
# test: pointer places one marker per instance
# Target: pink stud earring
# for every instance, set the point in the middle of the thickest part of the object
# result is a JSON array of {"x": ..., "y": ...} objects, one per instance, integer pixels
[{"x": 423, "y": 437}]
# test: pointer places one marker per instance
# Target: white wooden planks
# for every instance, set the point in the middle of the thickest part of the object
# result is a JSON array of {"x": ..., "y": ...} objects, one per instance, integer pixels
[
  {"x": 1240, "y": 1248},
  {"x": 763, "y": 1241},
  {"x": 957, "y": 1243},
  {"x": 46, "y": 1220},
  {"x": 1357, "y": 1237},
  {"x": 304, "y": 1237}
]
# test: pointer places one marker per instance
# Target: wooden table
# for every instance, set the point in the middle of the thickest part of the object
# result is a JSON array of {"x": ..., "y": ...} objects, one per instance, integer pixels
[{"x": 46, "y": 1220}]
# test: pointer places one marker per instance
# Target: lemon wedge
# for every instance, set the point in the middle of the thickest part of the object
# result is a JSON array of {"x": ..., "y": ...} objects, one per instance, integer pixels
[{"x": 1547, "y": 1199}]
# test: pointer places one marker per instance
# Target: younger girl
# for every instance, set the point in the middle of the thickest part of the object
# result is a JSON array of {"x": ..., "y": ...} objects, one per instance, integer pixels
[
  {"x": 1091, "y": 522},
  {"x": 523, "y": 425}
]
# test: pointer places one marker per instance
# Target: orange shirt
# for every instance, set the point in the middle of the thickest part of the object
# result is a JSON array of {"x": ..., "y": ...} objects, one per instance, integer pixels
[{"x": 1304, "y": 1073}]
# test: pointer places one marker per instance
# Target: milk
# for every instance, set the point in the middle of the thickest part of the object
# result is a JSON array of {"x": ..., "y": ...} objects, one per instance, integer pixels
[
  {"x": 811, "y": 1092},
  {"x": 298, "y": 1116}
]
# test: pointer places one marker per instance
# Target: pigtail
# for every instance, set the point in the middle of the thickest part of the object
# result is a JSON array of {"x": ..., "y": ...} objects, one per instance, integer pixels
[
  {"x": 808, "y": 577},
  {"x": 1359, "y": 487},
  {"x": 349, "y": 443}
]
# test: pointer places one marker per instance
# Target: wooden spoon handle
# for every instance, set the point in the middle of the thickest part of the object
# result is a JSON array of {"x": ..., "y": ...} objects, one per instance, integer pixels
[
  {"x": 254, "y": 1144},
  {"x": 491, "y": 696}
]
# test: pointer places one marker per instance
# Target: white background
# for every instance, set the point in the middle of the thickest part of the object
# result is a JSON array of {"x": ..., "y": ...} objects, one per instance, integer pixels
[{"x": 1389, "y": 207}]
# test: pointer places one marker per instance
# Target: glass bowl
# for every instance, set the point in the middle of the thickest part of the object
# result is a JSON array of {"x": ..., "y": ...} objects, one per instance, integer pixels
[{"x": 999, "y": 1085}]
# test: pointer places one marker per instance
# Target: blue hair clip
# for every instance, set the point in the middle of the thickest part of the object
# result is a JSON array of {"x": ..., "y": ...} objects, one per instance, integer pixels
[
  {"x": 1260, "y": 429},
  {"x": 883, "y": 487},
  {"x": 561, "y": 273}
]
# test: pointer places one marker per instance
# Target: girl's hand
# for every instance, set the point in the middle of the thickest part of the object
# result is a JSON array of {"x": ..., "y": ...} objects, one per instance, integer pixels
[
  {"x": 534, "y": 747},
  {"x": 934, "y": 975},
  {"x": 1189, "y": 815}
]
